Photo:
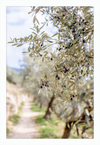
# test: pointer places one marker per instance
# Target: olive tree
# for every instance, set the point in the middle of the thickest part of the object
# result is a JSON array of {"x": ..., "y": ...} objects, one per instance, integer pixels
[
  {"x": 71, "y": 76},
  {"x": 32, "y": 73}
]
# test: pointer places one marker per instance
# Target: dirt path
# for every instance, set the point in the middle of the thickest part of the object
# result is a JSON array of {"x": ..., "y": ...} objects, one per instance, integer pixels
[{"x": 26, "y": 128}]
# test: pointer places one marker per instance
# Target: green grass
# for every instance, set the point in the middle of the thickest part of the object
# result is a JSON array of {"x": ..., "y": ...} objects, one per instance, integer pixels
[
  {"x": 49, "y": 128},
  {"x": 36, "y": 108},
  {"x": 20, "y": 108},
  {"x": 22, "y": 103},
  {"x": 15, "y": 118},
  {"x": 7, "y": 131},
  {"x": 52, "y": 128},
  {"x": 73, "y": 133}
]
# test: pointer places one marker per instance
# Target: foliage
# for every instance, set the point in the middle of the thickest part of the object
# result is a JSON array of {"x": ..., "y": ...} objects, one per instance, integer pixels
[
  {"x": 32, "y": 73},
  {"x": 71, "y": 74},
  {"x": 13, "y": 76}
]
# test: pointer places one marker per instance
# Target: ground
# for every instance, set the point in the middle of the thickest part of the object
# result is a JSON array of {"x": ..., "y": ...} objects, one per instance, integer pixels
[{"x": 26, "y": 128}]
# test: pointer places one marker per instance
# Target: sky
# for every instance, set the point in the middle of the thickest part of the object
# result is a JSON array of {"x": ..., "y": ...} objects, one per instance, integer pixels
[{"x": 18, "y": 23}]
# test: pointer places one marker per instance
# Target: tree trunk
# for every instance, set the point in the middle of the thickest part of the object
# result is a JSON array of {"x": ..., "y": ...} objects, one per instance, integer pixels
[
  {"x": 40, "y": 105},
  {"x": 48, "y": 112},
  {"x": 67, "y": 130}
]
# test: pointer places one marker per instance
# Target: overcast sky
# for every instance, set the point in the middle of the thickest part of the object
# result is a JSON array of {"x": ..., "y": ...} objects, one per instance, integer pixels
[{"x": 19, "y": 23}]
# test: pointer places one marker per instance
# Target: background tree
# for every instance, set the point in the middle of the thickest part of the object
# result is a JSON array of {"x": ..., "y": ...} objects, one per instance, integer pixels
[
  {"x": 32, "y": 73},
  {"x": 13, "y": 76}
]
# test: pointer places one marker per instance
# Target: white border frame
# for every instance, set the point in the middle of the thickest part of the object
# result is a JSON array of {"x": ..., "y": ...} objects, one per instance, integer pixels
[{"x": 3, "y": 4}]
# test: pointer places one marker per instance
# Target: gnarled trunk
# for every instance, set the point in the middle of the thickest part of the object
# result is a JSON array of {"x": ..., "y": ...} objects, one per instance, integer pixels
[
  {"x": 48, "y": 112},
  {"x": 67, "y": 130}
]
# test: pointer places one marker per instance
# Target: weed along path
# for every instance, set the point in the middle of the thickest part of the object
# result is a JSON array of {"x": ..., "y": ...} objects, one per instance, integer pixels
[{"x": 26, "y": 127}]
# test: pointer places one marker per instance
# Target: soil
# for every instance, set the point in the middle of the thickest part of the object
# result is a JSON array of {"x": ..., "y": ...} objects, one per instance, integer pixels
[{"x": 26, "y": 127}]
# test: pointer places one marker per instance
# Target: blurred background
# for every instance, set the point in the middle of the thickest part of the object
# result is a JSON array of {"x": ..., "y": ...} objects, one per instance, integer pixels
[{"x": 23, "y": 73}]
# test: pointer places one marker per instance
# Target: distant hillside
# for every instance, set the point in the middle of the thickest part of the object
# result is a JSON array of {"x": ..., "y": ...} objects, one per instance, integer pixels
[{"x": 16, "y": 69}]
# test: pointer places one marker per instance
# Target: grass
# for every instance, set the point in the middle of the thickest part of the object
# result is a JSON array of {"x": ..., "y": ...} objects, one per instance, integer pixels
[
  {"x": 20, "y": 107},
  {"x": 73, "y": 134},
  {"x": 15, "y": 118},
  {"x": 14, "y": 90},
  {"x": 7, "y": 131},
  {"x": 35, "y": 108},
  {"x": 49, "y": 128},
  {"x": 88, "y": 132},
  {"x": 52, "y": 128}
]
